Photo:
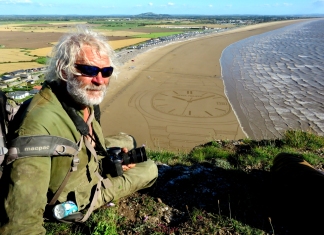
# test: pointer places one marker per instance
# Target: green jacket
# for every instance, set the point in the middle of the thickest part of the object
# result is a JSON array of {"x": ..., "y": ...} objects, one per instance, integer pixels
[{"x": 33, "y": 178}]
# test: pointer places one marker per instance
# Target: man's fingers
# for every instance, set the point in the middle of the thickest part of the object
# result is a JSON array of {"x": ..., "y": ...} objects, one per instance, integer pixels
[{"x": 127, "y": 167}]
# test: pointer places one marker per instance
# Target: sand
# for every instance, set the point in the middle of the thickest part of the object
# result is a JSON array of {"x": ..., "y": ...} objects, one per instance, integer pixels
[{"x": 172, "y": 98}]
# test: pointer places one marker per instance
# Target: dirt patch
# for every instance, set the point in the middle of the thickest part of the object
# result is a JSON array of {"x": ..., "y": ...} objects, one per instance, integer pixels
[
  {"x": 42, "y": 44},
  {"x": 27, "y": 39},
  {"x": 35, "y": 40},
  {"x": 37, "y": 25}
]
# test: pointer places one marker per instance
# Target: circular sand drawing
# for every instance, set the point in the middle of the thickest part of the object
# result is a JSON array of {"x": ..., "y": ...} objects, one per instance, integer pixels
[{"x": 191, "y": 103}]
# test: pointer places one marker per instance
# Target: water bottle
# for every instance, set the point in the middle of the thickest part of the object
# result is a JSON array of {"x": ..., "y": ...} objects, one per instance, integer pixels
[{"x": 64, "y": 209}]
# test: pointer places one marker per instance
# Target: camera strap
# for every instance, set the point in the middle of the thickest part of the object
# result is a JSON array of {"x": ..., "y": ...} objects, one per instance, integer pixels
[
  {"x": 106, "y": 182},
  {"x": 84, "y": 128}
]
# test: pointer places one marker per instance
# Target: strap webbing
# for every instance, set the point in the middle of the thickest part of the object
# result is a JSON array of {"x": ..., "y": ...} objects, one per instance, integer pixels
[
  {"x": 60, "y": 189},
  {"x": 41, "y": 146},
  {"x": 106, "y": 182},
  {"x": 74, "y": 166}
]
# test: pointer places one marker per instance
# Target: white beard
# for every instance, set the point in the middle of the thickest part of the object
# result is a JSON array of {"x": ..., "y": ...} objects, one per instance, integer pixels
[{"x": 80, "y": 95}]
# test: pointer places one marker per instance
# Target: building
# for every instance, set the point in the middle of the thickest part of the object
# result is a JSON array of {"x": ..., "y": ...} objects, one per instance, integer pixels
[
  {"x": 25, "y": 76},
  {"x": 18, "y": 95},
  {"x": 3, "y": 86},
  {"x": 9, "y": 78},
  {"x": 17, "y": 72},
  {"x": 30, "y": 82}
]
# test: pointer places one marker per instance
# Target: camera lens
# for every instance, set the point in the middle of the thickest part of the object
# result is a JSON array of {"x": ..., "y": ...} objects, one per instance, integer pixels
[{"x": 135, "y": 156}]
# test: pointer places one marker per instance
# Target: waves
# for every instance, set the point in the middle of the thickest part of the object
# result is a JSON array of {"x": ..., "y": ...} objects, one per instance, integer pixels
[{"x": 275, "y": 81}]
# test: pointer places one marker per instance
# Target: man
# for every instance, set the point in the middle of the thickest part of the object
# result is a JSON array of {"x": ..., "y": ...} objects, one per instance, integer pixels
[{"x": 77, "y": 80}]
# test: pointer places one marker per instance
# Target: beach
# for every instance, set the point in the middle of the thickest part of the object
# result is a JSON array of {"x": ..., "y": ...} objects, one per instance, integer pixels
[{"x": 173, "y": 97}]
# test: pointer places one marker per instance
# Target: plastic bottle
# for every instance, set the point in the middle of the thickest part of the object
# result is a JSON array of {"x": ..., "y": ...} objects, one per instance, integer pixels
[{"x": 64, "y": 209}]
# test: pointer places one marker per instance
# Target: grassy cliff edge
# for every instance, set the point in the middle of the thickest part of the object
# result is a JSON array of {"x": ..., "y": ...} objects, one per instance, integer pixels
[{"x": 220, "y": 187}]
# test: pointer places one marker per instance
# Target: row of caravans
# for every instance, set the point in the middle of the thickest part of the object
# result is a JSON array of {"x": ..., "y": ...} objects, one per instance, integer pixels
[{"x": 14, "y": 78}]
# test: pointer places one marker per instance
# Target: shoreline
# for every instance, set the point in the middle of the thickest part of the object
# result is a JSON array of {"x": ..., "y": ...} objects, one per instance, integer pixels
[
  {"x": 274, "y": 80},
  {"x": 134, "y": 103}
]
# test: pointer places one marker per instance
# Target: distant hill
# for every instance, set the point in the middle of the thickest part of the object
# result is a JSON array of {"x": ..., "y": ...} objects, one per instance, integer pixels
[{"x": 152, "y": 15}]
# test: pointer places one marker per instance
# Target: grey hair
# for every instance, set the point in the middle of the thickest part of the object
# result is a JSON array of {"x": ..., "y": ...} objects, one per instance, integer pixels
[{"x": 69, "y": 47}]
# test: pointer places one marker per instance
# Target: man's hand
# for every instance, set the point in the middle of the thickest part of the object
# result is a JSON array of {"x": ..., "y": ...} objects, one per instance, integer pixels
[{"x": 129, "y": 166}]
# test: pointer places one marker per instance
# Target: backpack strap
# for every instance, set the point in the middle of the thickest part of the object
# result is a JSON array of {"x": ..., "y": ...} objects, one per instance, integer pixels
[
  {"x": 45, "y": 146},
  {"x": 12, "y": 110},
  {"x": 8, "y": 109},
  {"x": 3, "y": 129},
  {"x": 74, "y": 164},
  {"x": 3, "y": 151},
  {"x": 40, "y": 146},
  {"x": 97, "y": 112}
]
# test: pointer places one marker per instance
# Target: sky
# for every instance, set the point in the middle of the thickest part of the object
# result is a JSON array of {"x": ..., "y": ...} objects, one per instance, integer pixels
[{"x": 134, "y": 7}]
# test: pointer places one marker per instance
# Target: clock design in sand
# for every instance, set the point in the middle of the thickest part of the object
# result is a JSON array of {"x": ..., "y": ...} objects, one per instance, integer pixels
[
  {"x": 191, "y": 103},
  {"x": 180, "y": 115}
]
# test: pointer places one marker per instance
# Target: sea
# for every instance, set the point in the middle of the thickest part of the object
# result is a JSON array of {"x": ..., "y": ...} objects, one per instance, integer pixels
[{"x": 275, "y": 80}]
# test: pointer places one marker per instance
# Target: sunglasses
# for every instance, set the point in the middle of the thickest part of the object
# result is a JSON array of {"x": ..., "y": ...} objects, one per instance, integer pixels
[{"x": 92, "y": 71}]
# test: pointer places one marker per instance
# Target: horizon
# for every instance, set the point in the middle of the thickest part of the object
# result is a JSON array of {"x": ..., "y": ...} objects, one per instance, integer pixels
[
  {"x": 173, "y": 7},
  {"x": 164, "y": 14}
]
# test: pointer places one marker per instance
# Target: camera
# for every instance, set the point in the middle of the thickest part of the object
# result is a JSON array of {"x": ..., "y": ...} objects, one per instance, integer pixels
[{"x": 118, "y": 158}]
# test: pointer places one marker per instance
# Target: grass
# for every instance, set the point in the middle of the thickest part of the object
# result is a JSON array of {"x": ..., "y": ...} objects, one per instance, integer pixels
[
  {"x": 218, "y": 188},
  {"x": 125, "y": 24},
  {"x": 306, "y": 140},
  {"x": 41, "y": 60},
  {"x": 156, "y": 35}
]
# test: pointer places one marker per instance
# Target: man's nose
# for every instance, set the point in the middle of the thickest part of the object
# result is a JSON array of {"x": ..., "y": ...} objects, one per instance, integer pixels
[{"x": 99, "y": 79}]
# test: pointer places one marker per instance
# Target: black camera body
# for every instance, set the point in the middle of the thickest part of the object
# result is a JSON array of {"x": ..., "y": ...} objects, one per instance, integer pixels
[{"x": 118, "y": 158}]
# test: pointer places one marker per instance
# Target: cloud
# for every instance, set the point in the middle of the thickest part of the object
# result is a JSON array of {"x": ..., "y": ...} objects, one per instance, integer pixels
[
  {"x": 319, "y": 3},
  {"x": 210, "y": 6},
  {"x": 150, "y": 3},
  {"x": 16, "y": 1},
  {"x": 229, "y": 5},
  {"x": 278, "y": 5},
  {"x": 171, "y": 4},
  {"x": 42, "y": 4}
]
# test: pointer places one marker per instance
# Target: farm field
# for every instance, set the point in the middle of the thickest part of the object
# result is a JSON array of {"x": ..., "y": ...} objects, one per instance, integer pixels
[
  {"x": 22, "y": 42},
  {"x": 8, "y": 67},
  {"x": 14, "y": 55},
  {"x": 45, "y": 51}
]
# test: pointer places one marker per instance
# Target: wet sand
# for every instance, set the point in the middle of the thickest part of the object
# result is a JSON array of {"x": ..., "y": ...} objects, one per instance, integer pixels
[
  {"x": 278, "y": 80},
  {"x": 173, "y": 98}
]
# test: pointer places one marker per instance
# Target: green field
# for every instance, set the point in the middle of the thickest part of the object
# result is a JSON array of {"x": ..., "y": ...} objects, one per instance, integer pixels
[{"x": 156, "y": 35}]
